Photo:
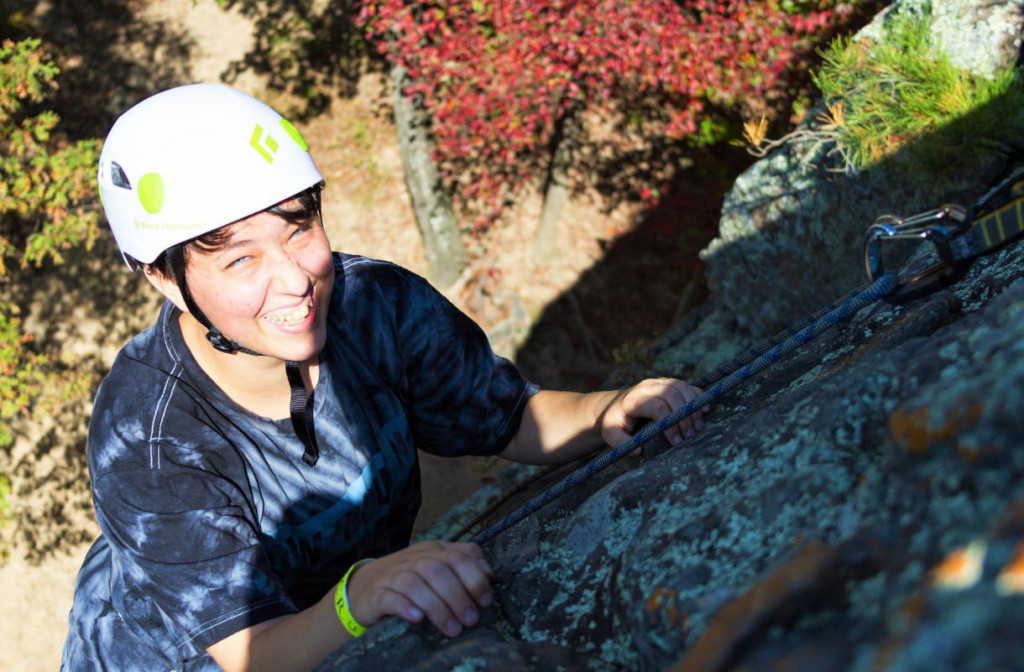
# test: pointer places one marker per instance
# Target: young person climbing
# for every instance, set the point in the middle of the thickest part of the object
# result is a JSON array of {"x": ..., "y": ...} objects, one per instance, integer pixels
[{"x": 253, "y": 453}]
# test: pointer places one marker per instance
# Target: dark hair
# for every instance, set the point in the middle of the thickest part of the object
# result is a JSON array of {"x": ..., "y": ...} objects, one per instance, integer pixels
[{"x": 309, "y": 207}]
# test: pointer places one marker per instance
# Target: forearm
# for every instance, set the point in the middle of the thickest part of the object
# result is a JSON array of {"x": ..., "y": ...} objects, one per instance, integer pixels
[
  {"x": 559, "y": 427},
  {"x": 297, "y": 642},
  {"x": 446, "y": 583}
]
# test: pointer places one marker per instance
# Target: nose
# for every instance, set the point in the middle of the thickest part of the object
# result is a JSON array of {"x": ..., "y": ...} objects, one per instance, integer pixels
[{"x": 287, "y": 273}]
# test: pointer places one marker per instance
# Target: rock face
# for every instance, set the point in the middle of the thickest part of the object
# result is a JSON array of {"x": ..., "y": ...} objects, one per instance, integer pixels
[{"x": 859, "y": 506}]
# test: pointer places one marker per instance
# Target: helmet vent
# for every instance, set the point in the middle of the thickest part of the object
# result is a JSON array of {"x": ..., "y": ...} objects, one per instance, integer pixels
[{"x": 118, "y": 177}]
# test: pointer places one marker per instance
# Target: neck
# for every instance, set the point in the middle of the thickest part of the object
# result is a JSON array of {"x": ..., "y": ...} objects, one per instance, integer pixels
[{"x": 257, "y": 383}]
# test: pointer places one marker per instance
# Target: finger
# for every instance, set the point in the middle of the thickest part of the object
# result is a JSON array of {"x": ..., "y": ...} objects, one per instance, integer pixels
[
  {"x": 638, "y": 403},
  {"x": 680, "y": 395},
  {"x": 658, "y": 407},
  {"x": 466, "y": 555},
  {"x": 469, "y": 549},
  {"x": 653, "y": 399},
  {"x": 675, "y": 395},
  {"x": 399, "y": 588},
  {"x": 425, "y": 588},
  {"x": 696, "y": 419},
  {"x": 459, "y": 582},
  {"x": 393, "y": 603},
  {"x": 475, "y": 573},
  {"x": 615, "y": 437},
  {"x": 473, "y": 555}
]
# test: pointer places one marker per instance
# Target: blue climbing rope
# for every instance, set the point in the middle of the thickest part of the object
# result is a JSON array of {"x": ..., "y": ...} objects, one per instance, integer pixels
[
  {"x": 766, "y": 345},
  {"x": 756, "y": 360}
]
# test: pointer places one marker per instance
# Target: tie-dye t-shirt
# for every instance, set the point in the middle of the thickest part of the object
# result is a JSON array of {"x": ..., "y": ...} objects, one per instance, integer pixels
[{"x": 212, "y": 522}]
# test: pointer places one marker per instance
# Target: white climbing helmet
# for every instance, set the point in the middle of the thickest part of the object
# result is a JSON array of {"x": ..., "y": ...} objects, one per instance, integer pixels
[{"x": 191, "y": 159}]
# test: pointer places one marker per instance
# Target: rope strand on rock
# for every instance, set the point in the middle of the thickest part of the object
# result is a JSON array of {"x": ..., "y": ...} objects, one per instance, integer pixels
[{"x": 838, "y": 312}]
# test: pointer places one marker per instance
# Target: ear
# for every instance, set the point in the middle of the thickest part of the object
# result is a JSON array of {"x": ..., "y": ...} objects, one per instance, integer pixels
[{"x": 166, "y": 286}]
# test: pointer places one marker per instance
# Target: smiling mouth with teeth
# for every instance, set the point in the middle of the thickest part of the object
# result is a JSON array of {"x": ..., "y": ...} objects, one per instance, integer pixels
[{"x": 285, "y": 319}]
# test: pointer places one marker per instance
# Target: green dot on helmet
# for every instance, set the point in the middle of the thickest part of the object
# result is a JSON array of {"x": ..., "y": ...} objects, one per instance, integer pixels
[
  {"x": 294, "y": 134},
  {"x": 151, "y": 192}
]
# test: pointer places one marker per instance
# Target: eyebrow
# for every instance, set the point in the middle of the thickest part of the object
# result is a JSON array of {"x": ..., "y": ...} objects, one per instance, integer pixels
[
  {"x": 300, "y": 214},
  {"x": 232, "y": 241}
]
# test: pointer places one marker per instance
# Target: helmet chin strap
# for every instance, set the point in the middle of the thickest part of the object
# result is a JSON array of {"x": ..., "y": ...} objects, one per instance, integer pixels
[
  {"x": 300, "y": 406},
  {"x": 176, "y": 260}
]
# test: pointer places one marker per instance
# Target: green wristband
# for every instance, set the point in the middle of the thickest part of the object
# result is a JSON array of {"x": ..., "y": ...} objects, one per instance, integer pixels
[{"x": 341, "y": 603}]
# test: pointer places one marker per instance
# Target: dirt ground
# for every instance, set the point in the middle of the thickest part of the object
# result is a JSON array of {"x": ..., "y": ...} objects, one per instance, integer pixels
[{"x": 367, "y": 211}]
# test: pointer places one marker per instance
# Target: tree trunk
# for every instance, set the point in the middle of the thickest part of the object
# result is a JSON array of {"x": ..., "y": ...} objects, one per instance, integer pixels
[
  {"x": 556, "y": 189},
  {"x": 435, "y": 218}
]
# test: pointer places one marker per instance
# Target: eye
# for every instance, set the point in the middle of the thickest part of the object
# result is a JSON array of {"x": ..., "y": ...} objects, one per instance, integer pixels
[
  {"x": 301, "y": 228},
  {"x": 238, "y": 261}
]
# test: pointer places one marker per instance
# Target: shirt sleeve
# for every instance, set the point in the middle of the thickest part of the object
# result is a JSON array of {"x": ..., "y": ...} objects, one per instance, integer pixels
[{"x": 461, "y": 397}]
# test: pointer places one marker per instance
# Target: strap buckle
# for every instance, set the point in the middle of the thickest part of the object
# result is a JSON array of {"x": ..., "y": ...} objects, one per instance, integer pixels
[{"x": 938, "y": 227}]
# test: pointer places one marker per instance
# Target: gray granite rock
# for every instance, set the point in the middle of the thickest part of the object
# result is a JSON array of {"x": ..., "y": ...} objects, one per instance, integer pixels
[{"x": 980, "y": 37}]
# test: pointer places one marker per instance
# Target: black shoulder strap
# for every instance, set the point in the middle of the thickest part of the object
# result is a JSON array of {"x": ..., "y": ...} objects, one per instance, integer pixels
[{"x": 301, "y": 410}]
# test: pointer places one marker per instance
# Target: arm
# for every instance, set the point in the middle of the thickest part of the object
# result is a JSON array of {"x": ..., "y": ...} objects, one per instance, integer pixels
[
  {"x": 445, "y": 583},
  {"x": 559, "y": 427},
  {"x": 448, "y": 583}
]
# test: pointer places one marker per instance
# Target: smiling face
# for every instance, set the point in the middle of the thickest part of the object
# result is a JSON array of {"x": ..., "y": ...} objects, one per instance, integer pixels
[{"x": 266, "y": 283}]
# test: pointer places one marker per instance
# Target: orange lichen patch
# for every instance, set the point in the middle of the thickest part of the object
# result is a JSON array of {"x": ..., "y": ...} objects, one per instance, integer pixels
[
  {"x": 961, "y": 568},
  {"x": 913, "y": 610},
  {"x": 657, "y": 598},
  {"x": 811, "y": 575},
  {"x": 911, "y": 428},
  {"x": 915, "y": 607},
  {"x": 662, "y": 601},
  {"x": 673, "y": 615},
  {"x": 1011, "y": 577},
  {"x": 974, "y": 453}
]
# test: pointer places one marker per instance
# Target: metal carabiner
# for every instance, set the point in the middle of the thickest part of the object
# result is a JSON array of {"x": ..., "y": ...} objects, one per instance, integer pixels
[{"x": 937, "y": 226}]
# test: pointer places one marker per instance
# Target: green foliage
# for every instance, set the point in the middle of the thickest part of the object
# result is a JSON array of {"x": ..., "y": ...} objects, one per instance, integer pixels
[
  {"x": 306, "y": 50},
  {"x": 46, "y": 189},
  {"x": 43, "y": 192},
  {"x": 712, "y": 130},
  {"x": 901, "y": 101},
  {"x": 633, "y": 353}
]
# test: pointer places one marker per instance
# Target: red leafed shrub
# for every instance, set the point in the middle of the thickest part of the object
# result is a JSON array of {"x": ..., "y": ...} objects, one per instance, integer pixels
[{"x": 499, "y": 75}]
